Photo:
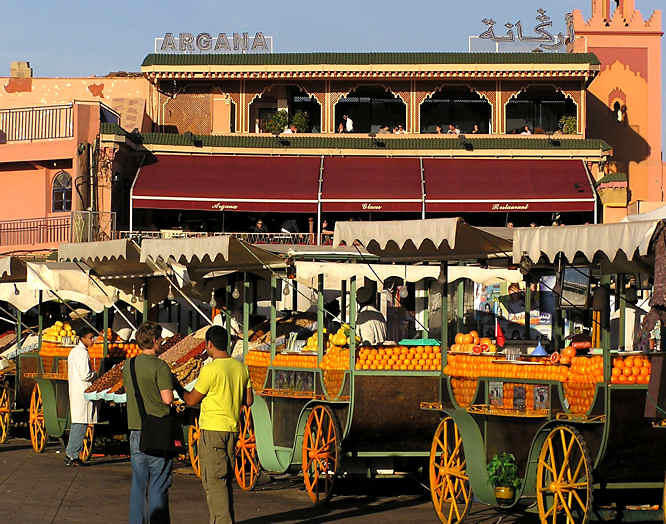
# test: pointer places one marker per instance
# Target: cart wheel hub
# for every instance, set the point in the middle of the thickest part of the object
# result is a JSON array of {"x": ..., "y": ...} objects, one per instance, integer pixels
[{"x": 553, "y": 486}]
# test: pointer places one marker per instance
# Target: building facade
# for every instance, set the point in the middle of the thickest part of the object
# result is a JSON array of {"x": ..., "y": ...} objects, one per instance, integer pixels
[{"x": 190, "y": 142}]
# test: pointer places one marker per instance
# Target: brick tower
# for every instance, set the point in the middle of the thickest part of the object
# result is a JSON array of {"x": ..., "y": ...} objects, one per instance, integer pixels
[{"x": 624, "y": 103}]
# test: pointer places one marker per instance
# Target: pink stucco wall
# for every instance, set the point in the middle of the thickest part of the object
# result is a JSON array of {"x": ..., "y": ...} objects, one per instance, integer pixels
[{"x": 127, "y": 95}]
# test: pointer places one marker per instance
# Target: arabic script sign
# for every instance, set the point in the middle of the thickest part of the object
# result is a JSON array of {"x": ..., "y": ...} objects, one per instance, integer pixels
[
  {"x": 210, "y": 43},
  {"x": 543, "y": 39}
]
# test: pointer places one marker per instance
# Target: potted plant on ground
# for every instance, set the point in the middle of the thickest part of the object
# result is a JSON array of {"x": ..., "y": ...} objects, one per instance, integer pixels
[{"x": 503, "y": 474}]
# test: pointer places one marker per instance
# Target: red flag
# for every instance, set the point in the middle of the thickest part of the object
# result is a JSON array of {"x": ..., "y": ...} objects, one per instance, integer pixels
[{"x": 499, "y": 335}]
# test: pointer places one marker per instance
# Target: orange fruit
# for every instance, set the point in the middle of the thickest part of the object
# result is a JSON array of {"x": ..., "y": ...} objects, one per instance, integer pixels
[
  {"x": 459, "y": 338},
  {"x": 627, "y": 371},
  {"x": 468, "y": 339}
]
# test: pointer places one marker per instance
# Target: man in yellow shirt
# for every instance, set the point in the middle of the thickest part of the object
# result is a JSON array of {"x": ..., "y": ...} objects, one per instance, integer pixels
[{"x": 223, "y": 387}]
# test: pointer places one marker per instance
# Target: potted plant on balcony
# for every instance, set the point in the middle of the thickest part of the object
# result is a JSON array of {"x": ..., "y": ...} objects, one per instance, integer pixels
[{"x": 503, "y": 475}]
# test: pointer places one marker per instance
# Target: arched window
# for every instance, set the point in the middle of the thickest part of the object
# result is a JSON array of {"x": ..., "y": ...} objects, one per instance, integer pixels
[{"x": 62, "y": 192}]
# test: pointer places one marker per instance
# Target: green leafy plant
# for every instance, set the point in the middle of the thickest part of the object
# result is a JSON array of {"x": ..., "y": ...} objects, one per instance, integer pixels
[
  {"x": 503, "y": 471},
  {"x": 301, "y": 121},
  {"x": 277, "y": 122},
  {"x": 569, "y": 125}
]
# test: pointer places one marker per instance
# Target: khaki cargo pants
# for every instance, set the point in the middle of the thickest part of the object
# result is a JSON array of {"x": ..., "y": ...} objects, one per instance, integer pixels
[{"x": 216, "y": 456}]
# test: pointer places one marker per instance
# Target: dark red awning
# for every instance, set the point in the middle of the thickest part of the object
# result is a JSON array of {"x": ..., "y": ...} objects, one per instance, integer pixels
[
  {"x": 357, "y": 184},
  {"x": 485, "y": 185},
  {"x": 229, "y": 183}
]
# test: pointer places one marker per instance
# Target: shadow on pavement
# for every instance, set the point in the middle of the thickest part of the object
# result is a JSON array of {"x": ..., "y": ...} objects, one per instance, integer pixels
[
  {"x": 14, "y": 447},
  {"x": 335, "y": 510}
]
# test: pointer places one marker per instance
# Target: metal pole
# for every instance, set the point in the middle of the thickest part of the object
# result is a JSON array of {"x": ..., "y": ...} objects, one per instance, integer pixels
[
  {"x": 294, "y": 296},
  {"x": 444, "y": 310},
  {"x": 320, "y": 318},
  {"x": 145, "y": 300},
  {"x": 19, "y": 330},
  {"x": 460, "y": 310},
  {"x": 246, "y": 314},
  {"x": 352, "y": 322},
  {"x": 105, "y": 347},
  {"x": 321, "y": 183},
  {"x": 273, "y": 314},
  {"x": 621, "y": 282},
  {"x": 343, "y": 302},
  {"x": 227, "y": 312},
  {"x": 528, "y": 306},
  {"x": 605, "y": 330}
]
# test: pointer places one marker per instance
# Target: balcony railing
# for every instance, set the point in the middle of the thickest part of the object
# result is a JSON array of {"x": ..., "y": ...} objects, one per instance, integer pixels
[
  {"x": 35, "y": 231},
  {"x": 252, "y": 238},
  {"x": 36, "y": 123},
  {"x": 77, "y": 226}
]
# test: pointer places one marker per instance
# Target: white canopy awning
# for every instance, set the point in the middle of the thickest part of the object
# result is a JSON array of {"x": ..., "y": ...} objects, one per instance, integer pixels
[
  {"x": 24, "y": 298},
  {"x": 628, "y": 239},
  {"x": 208, "y": 253},
  {"x": 307, "y": 273},
  {"x": 434, "y": 239}
]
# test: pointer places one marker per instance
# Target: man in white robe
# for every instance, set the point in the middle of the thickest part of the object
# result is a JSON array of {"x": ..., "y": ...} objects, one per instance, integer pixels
[{"x": 80, "y": 376}]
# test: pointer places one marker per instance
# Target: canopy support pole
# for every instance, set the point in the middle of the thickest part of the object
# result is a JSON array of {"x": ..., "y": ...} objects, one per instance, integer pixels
[
  {"x": 227, "y": 316},
  {"x": 273, "y": 314},
  {"x": 343, "y": 302},
  {"x": 145, "y": 300},
  {"x": 320, "y": 318},
  {"x": 246, "y": 314},
  {"x": 19, "y": 329},
  {"x": 621, "y": 281},
  {"x": 528, "y": 306},
  {"x": 40, "y": 319},
  {"x": 105, "y": 347},
  {"x": 460, "y": 311},
  {"x": 444, "y": 310},
  {"x": 321, "y": 182},
  {"x": 352, "y": 323}
]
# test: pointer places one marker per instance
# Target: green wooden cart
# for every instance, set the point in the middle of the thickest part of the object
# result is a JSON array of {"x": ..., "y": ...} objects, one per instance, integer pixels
[{"x": 602, "y": 463}]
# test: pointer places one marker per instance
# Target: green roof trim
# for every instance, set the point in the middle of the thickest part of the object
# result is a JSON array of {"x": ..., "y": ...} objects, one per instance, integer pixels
[
  {"x": 283, "y": 59},
  {"x": 287, "y": 142},
  {"x": 305, "y": 141},
  {"x": 612, "y": 177}
]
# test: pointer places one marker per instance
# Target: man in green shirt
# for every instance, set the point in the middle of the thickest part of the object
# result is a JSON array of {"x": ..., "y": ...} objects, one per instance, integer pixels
[
  {"x": 223, "y": 387},
  {"x": 150, "y": 474}
]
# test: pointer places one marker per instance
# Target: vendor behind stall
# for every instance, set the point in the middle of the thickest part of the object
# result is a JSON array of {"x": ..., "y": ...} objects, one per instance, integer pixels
[{"x": 370, "y": 323}]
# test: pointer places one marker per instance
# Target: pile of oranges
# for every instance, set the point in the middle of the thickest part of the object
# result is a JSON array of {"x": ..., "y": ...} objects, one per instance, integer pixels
[
  {"x": 464, "y": 390},
  {"x": 258, "y": 358},
  {"x": 400, "y": 358},
  {"x": 634, "y": 369},
  {"x": 335, "y": 358},
  {"x": 472, "y": 366},
  {"x": 580, "y": 396},
  {"x": 587, "y": 370},
  {"x": 295, "y": 361},
  {"x": 472, "y": 343}
]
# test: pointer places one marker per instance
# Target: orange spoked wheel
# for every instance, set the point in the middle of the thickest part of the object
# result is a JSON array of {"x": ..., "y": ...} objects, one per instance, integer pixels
[
  {"x": 564, "y": 478},
  {"x": 449, "y": 482},
  {"x": 5, "y": 413},
  {"x": 36, "y": 421},
  {"x": 246, "y": 464},
  {"x": 193, "y": 447},
  {"x": 321, "y": 453},
  {"x": 88, "y": 440}
]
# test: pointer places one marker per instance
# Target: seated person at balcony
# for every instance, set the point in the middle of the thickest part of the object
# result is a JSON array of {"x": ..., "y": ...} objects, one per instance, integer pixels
[
  {"x": 325, "y": 229},
  {"x": 341, "y": 128},
  {"x": 453, "y": 130},
  {"x": 349, "y": 124},
  {"x": 384, "y": 130},
  {"x": 259, "y": 227},
  {"x": 526, "y": 130},
  {"x": 476, "y": 130},
  {"x": 439, "y": 130},
  {"x": 395, "y": 130},
  {"x": 370, "y": 323},
  {"x": 292, "y": 129}
]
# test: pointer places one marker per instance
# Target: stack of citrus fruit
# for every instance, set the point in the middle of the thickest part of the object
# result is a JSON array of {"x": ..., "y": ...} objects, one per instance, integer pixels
[
  {"x": 580, "y": 396},
  {"x": 634, "y": 369},
  {"x": 335, "y": 358},
  {"x": 257, "y": 358},
  {"x": 399, "y": 358},
  {"x": 587, "y": 370},
  {"x": 472, "y": 343},
  {"x": 464, "y": 390},
  {"x": 295, "y": 361},
  {"x": 472, "y": 366}
]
